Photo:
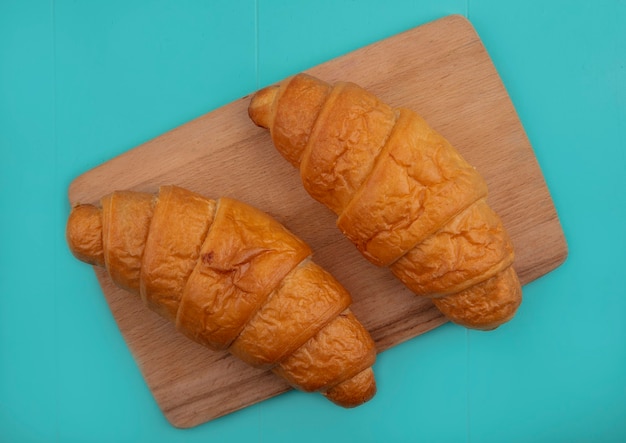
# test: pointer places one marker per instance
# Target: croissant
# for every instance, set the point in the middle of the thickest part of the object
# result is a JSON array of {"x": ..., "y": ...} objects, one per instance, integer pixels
[
  {"x": 402, "y": 193},
  {"x": 231, "y": 278}
]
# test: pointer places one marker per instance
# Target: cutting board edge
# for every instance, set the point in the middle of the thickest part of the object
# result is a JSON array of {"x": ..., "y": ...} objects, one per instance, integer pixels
[{"x": 76, "y": 181}]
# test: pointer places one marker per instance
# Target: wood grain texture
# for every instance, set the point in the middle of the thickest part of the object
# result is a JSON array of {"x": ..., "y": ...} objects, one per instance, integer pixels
[{"x": 442, "y": 71}]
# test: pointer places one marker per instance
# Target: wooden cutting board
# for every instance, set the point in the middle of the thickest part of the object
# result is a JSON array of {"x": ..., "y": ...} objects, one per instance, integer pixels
[{"x": 442, "y": 71}]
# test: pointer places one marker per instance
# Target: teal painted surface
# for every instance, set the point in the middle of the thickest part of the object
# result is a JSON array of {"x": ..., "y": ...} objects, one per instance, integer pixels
[{"x": 81, "y": 82}]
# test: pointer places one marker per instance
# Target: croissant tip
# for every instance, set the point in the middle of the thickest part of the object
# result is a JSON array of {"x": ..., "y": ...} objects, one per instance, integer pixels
[
  {"x": 355, "y": 391},
  {"x": 260, "y": 108},
  {"x": 83, "y": 234}
]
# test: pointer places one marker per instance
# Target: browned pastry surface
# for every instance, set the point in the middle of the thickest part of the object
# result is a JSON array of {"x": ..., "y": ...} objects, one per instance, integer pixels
[
  {"x": 402, "y": 194},
  {"x": 231, "y": 277}
]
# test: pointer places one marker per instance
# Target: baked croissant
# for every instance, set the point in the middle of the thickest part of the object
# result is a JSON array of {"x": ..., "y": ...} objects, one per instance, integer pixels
[
  {"x": 231, "y": 277},
  {"x": 403, "y": 195}
]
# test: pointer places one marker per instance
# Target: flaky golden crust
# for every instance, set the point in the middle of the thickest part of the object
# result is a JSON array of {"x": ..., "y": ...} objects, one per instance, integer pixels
[
  {"x": 349, "y": 133},
  {"x": 244, "y": 256},
  {"x": 126, "y": 220},
  {"x": 403, "y": 194},
  {"x": 230, "y": 277},
  {"x": 292, "y": 129},
  {"x": 485, "y": 305},
  {"x": 322, "y": 361},
  {"x": 354, "y": 391},
  {"x": 83, "y": 234},
  {"x": 179, "y": 224},
  {"x": 459, "y": 255},
  {"x": 419, "y": 182},
  {"x": 306, "y": 300}
]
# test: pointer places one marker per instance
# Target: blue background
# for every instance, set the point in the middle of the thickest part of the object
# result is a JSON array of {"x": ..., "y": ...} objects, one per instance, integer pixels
[{"x": 83, "y": 81}]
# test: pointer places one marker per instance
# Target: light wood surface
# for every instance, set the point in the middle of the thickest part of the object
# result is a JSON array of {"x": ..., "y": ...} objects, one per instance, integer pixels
[{"x": 442, "y": 71}]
